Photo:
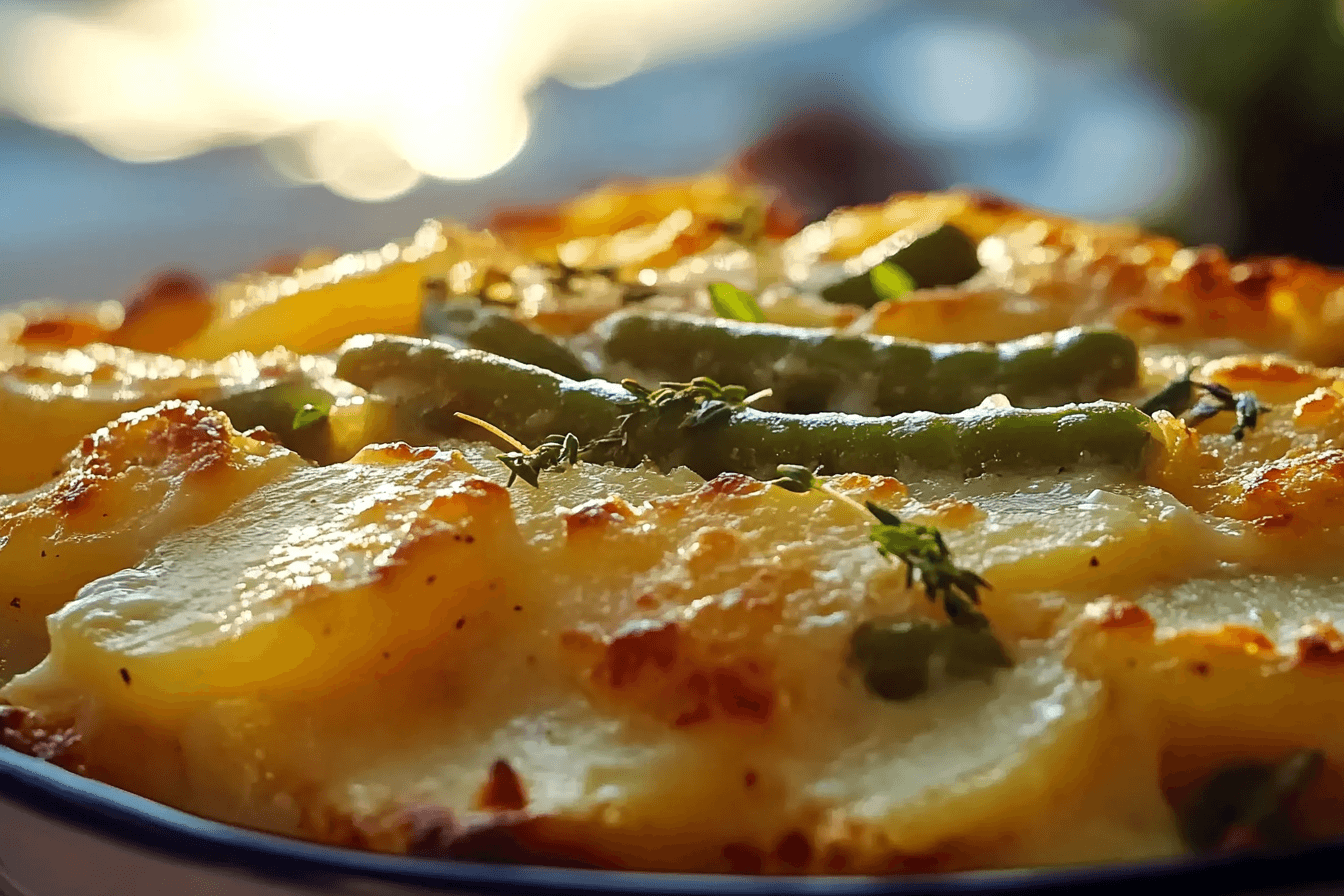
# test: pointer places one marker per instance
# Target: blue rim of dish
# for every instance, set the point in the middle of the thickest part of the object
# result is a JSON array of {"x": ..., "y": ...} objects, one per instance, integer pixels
[{"x": 111, "y": 813}]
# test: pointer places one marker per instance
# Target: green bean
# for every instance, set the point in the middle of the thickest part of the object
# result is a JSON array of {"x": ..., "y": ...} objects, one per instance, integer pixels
[
  {"x": 1253, "y": 798},
  {"x": 897, "y": 658},
  {"x": 943, "y": 257},
  {"x": 431, "y": 382},
  {"x": 811, "y": 370},
  {"x": 465, "y": 322},
  {"x": 295, "y": 412}
]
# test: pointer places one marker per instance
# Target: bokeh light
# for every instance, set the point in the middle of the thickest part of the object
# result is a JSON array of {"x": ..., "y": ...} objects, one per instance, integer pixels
[
  {"x": 364, "y": 98},
  {"x": 963, "y": 81}
]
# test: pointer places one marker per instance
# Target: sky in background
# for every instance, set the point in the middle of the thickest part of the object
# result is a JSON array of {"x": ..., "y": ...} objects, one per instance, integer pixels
[{"x": 1046, "y": 103}]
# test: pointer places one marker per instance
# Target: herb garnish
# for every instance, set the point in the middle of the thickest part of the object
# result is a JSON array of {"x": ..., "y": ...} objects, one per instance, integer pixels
[
  {"x": 308, "y": 415},
  {"x": 527, "y": 464},
  {"x": 921, "y": 548},
  {"x": 900, "y": 658},
  {"x": 1248, "y": 804},
  {"x": 1176, "y": 398},
  {"x": 734, "y": 303},
  {"x": 890, "y": 282},
  {"x": 554, "y": 452},
  {"x": 701, "y": 402}
]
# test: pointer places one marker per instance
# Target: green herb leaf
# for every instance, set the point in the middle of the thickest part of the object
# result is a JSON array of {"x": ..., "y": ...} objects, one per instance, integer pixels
[
  {"x": 1249, "y": 410},
  {"x": 734, "y": 303},
  {"x": 928, "y": 562},
  {"x": 793, "y": 478},
  {"x": 1249, "y": 803},
  {"x": 899, "y": 659},
  {"x": 1175, "y": 397},
  {"x": 556, "y": 452},
  {"x": 308, "y": 415},
  {"x": 890, "y": 282}
]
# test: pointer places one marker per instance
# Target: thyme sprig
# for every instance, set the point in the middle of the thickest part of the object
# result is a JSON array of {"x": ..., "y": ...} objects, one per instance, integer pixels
[
  {"x": 699, "y": 403},
  {"x": 555, "y": 452},
  {"x": 1178, "y": 396},
  {"x": 702, "y": 399},
  {"x": 1218, "y": 398},
  {"x": 920, "y": 548},
  {"x": 735, "y": 304}
]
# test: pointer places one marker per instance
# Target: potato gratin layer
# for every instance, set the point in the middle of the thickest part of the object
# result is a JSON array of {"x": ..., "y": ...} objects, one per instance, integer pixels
[{"x": 254, "y": 567}]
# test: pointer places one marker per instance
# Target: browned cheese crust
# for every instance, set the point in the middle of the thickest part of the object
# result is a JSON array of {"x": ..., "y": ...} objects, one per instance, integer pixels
[{"x": 627, "y": 668}]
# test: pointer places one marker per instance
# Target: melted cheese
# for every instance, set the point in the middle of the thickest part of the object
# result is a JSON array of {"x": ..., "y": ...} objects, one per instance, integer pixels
[
  {"x": 1200, "y": 693},
  {"x": 645, "y": 652},
  {"x": 142, "y": 477},
  {"x": 51, "y": 400},
  {"x": 316, "y": 309},
  {"x": 1280, "y": 605},
  {"x": 400, "y": 653}
]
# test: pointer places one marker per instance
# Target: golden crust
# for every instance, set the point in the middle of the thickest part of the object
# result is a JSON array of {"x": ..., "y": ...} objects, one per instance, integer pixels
[
  {"x": 398, "y": 653},
  {"x": 1221, "y": 695},
  {"x": 21, "y": 730},
  {"x": 1047, "y": 272},
  {"x": 145, "y": 475},
  {"x": 1286, "y": 475},
  {"x": 667, "y": 619}
]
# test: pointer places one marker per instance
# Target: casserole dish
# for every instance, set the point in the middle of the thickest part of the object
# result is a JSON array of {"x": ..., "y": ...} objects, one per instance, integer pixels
[
  {"x": 67, "y": 834},
  {"x": 237, "y": 514}
]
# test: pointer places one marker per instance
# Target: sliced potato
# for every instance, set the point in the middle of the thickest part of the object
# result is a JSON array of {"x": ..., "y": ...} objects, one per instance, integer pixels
[
  {"x": 141, "y": 477},
  {"x": 316, "y": 309},
  {"x": 612, "y": 656},
  {"x": 51, "y": 400},
  {"x": 1220, "y": 694}
]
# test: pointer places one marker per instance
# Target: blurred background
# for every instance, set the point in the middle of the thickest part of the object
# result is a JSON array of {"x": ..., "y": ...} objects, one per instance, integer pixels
[{"x": 212, "y": 134}]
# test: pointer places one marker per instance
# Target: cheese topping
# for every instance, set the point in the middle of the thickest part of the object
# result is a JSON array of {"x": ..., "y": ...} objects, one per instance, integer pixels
[
  {"x": 655, "y": 647},
  {"x": 392, "y": 646}
]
